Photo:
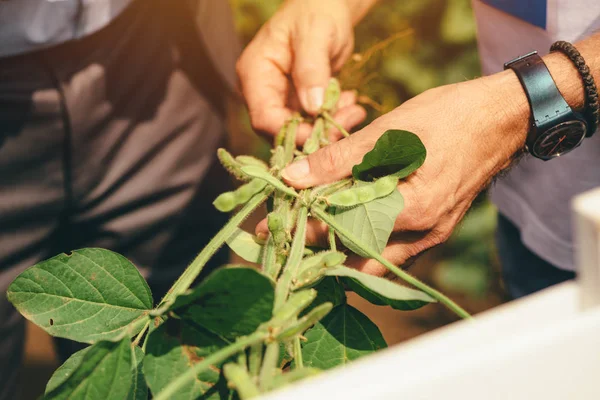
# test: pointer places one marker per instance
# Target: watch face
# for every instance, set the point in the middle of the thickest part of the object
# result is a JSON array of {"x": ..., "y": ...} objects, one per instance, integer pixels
[{"x": 559, "y": 139}]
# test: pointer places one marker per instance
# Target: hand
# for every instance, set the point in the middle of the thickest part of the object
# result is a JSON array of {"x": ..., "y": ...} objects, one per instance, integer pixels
[
  {"x": 470, "y": 130},
  {"x": 288, "y": 64}
]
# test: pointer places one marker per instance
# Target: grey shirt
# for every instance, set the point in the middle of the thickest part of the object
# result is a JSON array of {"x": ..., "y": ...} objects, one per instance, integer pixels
[
  {"x": 536, "y": 195},
  {"x": 27, "y": 25}
]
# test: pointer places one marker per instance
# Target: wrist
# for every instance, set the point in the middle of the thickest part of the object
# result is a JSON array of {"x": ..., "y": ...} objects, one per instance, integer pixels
[{"x": 507, "y": 113}]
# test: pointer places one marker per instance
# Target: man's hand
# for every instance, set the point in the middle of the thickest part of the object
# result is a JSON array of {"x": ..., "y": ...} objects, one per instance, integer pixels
[
  {"x": 470, "y": 130},
  {"x": 288, "y": 64}
]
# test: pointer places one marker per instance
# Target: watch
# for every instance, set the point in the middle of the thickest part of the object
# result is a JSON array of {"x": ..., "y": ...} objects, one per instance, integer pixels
[{"x": 555, "y": 128}]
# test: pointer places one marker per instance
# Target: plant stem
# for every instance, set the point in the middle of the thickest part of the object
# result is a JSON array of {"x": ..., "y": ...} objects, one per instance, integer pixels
[
  {"x": 298, "y": 353},
  {"x": 330, "y": 220},
  {"x": 330, "y": 119},
  {"x": 255, "y": 359},
  {"x": 269, "y": 366},
  {"x": 193, "y": 270},
  {"x": 216, "y": 358},
  {"x": 332, "y": 244},
  {"x": 293, "y": 262},
  {"x": 139, "y": 336},
  {"x": 240, "y": 380}
]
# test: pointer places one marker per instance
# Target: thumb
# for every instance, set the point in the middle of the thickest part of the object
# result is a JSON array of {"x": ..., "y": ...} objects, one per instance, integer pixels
[
  {"x": 311, "y": 68},
  {"x": 328, "y": 164}
]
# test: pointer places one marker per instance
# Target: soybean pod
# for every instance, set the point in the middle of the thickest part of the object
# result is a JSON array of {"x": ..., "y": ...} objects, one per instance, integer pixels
[
  {"x": 257, "y": 172},
  {"x": 312, "y": 269},
  {"x": 363, "y": 192},
  {"x": 239, "y": 379},
  {"x": 332, "y": 95},
  {"x": 249, "y": 160},
  {"x": 227, "y": 201},
  {"x": 289, "y": 144},
  {"x": 298, "y": 327},
  {"x": 313, "y": 143},
  {"x": 231, "y": 164},
  {"x": 278, "y": 158},
  {"x": 294, "y": 305},
  {"x": 279, "y": 139}
]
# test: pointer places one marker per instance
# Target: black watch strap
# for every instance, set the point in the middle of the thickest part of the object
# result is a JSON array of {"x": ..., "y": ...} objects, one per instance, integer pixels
[{"x": 546, "y": 102}]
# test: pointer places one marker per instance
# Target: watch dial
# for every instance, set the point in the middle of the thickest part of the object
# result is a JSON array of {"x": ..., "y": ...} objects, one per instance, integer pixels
[{"x": 559, "y": 139}]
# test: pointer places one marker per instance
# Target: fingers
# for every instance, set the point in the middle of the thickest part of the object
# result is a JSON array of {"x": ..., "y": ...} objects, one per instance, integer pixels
[
  {"x": 311, "y": 67},
  {"x": 265, "y": 86},
  {"x": 330, "y": 163}
]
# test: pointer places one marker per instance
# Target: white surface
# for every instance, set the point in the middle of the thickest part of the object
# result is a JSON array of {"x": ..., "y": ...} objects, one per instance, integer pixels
[
  {"x": 587, "y": 234},
  {"x": 546, "y": 346},
  {"x": 536, "y": 348}
]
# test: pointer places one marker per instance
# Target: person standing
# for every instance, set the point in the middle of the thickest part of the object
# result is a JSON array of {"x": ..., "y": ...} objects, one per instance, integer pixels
[{"x": 111, "y": 112}]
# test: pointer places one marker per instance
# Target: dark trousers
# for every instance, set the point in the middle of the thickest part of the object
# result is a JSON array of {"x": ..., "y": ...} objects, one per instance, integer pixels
[
  {"x": 108, "y": 142},
  {"x": 524, "y": 272}
]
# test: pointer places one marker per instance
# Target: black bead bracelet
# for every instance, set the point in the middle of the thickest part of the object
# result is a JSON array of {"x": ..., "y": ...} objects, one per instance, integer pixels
[{"x": 591, "y": 105}]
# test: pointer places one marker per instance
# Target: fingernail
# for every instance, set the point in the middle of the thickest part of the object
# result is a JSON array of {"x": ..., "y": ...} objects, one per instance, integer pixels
[
  {"x": 262, "y": 236},
  {"x": 315, "y": 98},
  {"x": 296, "y": 171}
]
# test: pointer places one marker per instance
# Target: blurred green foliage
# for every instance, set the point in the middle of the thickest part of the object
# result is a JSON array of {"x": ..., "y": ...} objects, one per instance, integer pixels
[
  {"x": 435, "y": 45},
  {"x": 404, "y": 47},
  {"x": 467, "y": 260}
]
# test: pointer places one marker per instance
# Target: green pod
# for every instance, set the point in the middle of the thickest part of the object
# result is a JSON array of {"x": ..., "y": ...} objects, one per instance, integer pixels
[
  {"x": 239, "y": 379},
  {"x": 363, "y": 192},
  {"x": 245, "y": 192},
  {"x": 313, "y": 143},
  {"x": 298, "y": 327},
  {"x": 225, "y": 202},
  {"x": 249, "y": 160},
  {"x": 313, "y": 269},
  {"x": 230, "y": 164},
  {"x": 276, "y": 225},
  {"x": 289, "y": 144},
  {"x": 332, "y": 95},
  {"x": 295, "y": 304},
  {"x": 275, "y": 222},
  {"x": 278, "y": 158},
  {"x": 257, "y": 172},
  {"x": 281, "y": 135}
]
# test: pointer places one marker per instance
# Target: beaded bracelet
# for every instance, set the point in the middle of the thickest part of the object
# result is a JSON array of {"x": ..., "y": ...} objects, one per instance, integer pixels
[{"x": 592, "y": 106}]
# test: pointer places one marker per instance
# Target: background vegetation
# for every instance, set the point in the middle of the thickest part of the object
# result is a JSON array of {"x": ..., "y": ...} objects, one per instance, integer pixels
[{"x": 404, "y": 47}]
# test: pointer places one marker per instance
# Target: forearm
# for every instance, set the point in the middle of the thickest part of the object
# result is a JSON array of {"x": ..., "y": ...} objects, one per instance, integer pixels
[{"x": 359, "y": 8}]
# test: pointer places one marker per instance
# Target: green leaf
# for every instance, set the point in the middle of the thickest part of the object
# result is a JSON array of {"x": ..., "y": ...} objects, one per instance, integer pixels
[
  {"x": 328, "y": 291},
  {"x": 244, "y": 245},
  {"x": 170, "y": 351},
  {"x": 66, "y": 370},
  {"x": 102, "y": 371},
  {"x": 396, "y": 152},
  {"x": 371, "y": 222},
  {"x": 230, "y": 302},
  {"x": 87, "y": 296},
  {"x": 380, "y": 291},
  {"x": 138, "y": 389},
  {"x": 342, "y": 336}
]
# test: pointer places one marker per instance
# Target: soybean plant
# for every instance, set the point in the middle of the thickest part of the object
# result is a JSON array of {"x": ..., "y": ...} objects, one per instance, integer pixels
[{"x": 247, "y": 329}]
